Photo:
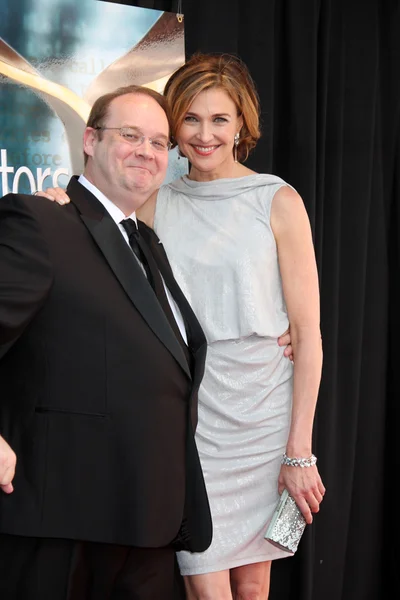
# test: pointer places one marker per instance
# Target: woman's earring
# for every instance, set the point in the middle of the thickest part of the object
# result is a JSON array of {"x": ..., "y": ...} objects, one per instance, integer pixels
[{"x": 236, "y": 142}]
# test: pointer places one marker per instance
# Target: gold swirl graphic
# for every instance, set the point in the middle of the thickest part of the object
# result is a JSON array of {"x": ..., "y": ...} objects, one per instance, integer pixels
[
  {"x": 150, "y": 62},
  {"x": 36, "y": 82}
]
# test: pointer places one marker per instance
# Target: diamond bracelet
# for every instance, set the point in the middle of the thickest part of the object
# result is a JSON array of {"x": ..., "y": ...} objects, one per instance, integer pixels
[{"x": 299, "y": 462}]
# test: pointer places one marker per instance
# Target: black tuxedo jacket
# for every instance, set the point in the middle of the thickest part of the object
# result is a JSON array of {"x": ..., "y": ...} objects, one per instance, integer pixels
[{"x": 97, "y": 398}]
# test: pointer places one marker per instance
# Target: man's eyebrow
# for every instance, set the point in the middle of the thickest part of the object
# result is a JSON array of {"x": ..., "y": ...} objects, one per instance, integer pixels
[{"x": 160, "y": 135}]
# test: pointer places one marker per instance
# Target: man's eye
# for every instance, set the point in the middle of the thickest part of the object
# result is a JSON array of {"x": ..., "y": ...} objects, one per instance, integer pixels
[
  {"x": 133, "y": 137},
  {"x": 161, "y": 144}
]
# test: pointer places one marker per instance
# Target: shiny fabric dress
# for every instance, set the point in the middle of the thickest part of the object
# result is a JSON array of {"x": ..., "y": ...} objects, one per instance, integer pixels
[{"x": 219, "y": 241}]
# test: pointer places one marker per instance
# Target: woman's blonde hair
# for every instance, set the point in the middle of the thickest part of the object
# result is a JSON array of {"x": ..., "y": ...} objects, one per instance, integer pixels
[{"x": 223, "y": 71}]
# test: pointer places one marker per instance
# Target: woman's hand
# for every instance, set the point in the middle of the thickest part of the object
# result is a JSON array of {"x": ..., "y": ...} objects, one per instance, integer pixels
[
  {"x": 305, "y": 486},
  {"x": 7, "y": 466},
  {"x": 285, "y": 340},
  {"x": 56, "y": 194}
]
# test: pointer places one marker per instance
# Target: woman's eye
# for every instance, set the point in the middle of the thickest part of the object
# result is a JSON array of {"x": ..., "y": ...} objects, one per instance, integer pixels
[
  {"x": 190, "y": 119},
  {"x": 220, "y": 120}
]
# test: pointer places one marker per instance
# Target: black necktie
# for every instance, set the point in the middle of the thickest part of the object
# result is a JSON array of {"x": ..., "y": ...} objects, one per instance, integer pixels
[
  {"x": 134, "y": 241},
  {"x": 145, "y": 257}
]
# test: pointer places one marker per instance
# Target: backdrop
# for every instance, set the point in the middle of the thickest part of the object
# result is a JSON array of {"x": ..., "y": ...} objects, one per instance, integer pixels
[
  {"x": 56, "y": 58},
  {"x": 328, "y": 76}
]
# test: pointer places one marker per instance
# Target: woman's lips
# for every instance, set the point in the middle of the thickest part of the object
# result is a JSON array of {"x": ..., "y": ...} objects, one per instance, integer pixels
[{"x": 204, "y": 150}]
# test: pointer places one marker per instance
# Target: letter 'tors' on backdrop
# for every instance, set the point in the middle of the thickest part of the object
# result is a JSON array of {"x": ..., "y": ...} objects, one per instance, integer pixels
[{"x": 47, "y": 95}]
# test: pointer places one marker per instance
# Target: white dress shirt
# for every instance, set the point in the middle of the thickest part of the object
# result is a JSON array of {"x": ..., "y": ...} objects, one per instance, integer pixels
[{"x": 117, "y": 215}]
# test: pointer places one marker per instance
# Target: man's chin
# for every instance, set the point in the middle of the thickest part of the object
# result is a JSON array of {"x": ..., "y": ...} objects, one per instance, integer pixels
[{"x": 145, "y": 188}]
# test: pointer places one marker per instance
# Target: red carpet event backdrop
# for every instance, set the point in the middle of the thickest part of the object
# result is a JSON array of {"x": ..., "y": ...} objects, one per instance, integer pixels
[{"x": 56, "y": 58}]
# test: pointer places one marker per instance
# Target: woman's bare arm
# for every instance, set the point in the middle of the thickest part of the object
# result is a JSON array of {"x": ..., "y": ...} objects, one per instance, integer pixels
[
  {"x": 298, "y": 269},
  {"x": 147, "y": 211}
]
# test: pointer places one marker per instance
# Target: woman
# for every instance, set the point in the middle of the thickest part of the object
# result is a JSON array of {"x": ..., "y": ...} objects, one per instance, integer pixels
[{"x": 241, "y": 249}]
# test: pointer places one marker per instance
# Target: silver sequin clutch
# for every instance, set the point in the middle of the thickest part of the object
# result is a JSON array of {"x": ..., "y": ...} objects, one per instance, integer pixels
[{"x": 287, "y": 524}]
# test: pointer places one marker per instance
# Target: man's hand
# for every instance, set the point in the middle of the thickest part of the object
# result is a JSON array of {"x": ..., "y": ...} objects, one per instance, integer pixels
[
  {"x": 8, "y": 461},
  {"x": 284, "y": 340}
]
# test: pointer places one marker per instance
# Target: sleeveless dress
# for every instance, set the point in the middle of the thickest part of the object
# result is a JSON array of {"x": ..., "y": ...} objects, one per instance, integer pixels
[{"x": 218, "y": 239}]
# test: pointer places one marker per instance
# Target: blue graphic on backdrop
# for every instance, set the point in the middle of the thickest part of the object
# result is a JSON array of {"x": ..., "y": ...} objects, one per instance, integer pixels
[{"x": 56, "y": 58}]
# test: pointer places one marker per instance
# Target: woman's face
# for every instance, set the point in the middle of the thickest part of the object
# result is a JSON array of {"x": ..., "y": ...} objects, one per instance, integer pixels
[{"x": 206, "y": 136}]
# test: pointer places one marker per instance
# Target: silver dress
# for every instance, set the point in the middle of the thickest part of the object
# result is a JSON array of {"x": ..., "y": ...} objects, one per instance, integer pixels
[{"x": 222, "y": 251}]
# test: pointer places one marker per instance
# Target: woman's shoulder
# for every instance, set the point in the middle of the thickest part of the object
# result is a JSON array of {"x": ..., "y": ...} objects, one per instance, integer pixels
[
  {"x": 288, "y": 210},
  {"x": 155, "y": 204},
  {"x": 270, "y": 179},
  {"x": 274, "y": 187},
  {"x": 147, "y": 211}
]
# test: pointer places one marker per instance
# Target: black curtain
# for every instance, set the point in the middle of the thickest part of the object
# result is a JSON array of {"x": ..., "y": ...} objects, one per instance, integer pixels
[{"x": 328, "y": 74}]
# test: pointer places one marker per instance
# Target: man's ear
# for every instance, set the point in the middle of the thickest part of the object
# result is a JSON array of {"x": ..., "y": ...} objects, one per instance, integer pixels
[{"x": 89, "y": 140}]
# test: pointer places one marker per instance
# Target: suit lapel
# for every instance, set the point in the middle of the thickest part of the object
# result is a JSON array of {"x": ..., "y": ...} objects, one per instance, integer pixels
[
  {"x": 109, "y": 239},
  {"x": 195, "y": 333}
]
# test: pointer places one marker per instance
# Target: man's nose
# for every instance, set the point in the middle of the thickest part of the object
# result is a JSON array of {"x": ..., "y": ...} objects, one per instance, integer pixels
[{"x": 145, "y": 149}]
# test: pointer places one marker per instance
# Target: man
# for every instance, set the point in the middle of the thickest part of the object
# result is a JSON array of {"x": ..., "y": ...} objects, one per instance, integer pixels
[{"x": 100, "y": 363}]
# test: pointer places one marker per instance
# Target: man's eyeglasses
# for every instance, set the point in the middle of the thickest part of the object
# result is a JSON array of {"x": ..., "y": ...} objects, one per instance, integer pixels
[{"x": 136, "y": 139}]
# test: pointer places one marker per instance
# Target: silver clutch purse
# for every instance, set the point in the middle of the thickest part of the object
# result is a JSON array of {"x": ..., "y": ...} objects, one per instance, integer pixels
[{"x": 287, "y": 524}]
